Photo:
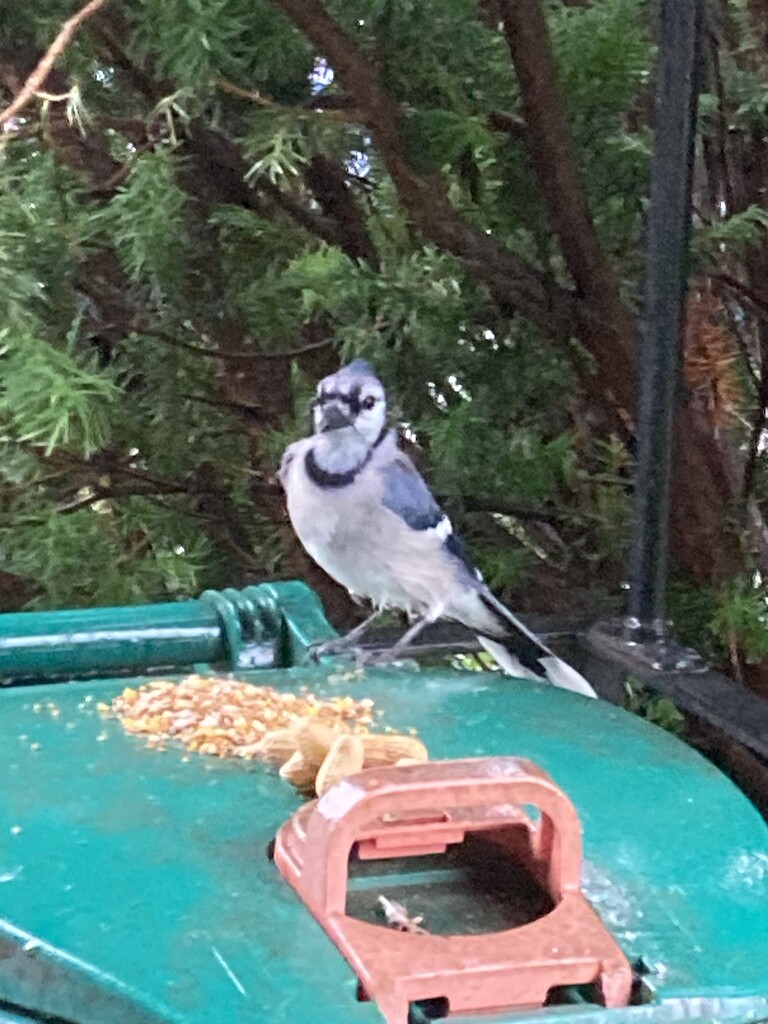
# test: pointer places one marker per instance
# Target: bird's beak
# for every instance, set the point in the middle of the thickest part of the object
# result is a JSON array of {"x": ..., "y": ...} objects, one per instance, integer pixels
[{"x": 333, "y": 419}]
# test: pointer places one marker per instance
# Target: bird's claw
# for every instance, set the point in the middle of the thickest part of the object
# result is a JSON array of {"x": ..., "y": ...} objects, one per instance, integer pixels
[
  {"x": 375, "y": 659},
  {"x": 330, "y": 648}
]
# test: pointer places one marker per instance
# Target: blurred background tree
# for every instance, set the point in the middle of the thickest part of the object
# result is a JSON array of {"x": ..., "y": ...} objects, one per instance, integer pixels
[{"x": 205, "y": 207}]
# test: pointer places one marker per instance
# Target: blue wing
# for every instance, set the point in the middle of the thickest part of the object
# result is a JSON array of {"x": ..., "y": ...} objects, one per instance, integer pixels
[{"x": 406, "y": 494}]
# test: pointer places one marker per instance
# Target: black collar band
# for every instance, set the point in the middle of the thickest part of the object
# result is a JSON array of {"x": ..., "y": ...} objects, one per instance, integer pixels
[
  {"x": 324, "y": 478},
  {"x": 382, "y": 434}
]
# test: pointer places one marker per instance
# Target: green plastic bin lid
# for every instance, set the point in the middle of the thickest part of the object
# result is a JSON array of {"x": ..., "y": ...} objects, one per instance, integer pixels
[{"x": 135, "y": 885}]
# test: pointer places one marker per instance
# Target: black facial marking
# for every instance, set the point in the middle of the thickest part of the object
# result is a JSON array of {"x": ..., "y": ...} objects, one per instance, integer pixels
[{"x": 352, "y": 400}]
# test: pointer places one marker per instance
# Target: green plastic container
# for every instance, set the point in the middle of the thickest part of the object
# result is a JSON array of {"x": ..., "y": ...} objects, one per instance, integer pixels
[{"x": 135, "y": 886}]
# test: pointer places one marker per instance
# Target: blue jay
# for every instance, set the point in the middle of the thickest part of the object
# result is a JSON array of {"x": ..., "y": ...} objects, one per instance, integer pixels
[{"x": 363, "y": 512}]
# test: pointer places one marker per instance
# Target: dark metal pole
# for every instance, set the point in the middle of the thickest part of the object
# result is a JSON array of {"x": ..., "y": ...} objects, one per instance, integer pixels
[{"x": 666, "y": 272}]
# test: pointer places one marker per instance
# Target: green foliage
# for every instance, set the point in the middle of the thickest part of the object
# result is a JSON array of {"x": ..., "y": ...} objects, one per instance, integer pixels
[
  {"x": 98, "y": 557},
  {"x": 693, "y": 611},
  {"x": 654, "y": 708},
  {"x": 51, "y": 396},
  {"x": 603, "y": 56},
  {"x": 178, "y": 219},
  {"x": 604, "y": 59},
  {"x": 323, "y": 280},
  {"x": 437, "y": 138},
  {"x": 505, "y": 566},
  {"x": 717, "y": 622},
  {"x": 479, "y": 662},
  {"x": 191, "y": 42},
  {"x": 41, "y": 230},
  {"x": 281, "y": 154},
  {"x": 601, "y": 480},
  {"x": 741, "y": 618},
  {"x": 145, "y": 221},
  {"x": 539, "y": 467},
  {"x": 732, "y": 234}
]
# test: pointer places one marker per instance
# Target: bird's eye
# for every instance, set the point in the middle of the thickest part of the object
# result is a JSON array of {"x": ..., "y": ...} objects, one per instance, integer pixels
[{"x": 369, "y": 402}]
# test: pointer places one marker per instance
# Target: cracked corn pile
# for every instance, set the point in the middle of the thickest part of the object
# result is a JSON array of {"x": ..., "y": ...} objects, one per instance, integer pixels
[{"x": 226, "y": 717}]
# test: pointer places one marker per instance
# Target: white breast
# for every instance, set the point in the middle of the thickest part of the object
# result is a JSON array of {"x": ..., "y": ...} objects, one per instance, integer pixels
[
  {"x": 364, "y": 546},
  {"x": 334, "y": 525}
]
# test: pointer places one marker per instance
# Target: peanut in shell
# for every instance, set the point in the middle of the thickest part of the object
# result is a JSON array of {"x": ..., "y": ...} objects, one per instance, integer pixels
[{"x": 345, "y": 758}]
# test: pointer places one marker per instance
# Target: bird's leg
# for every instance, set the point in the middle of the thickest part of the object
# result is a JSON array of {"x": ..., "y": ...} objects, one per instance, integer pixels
[
  {"x": 343, "y": 642},
  {"x": 411, "y": 633},
  {"x": 405, "y": 641},
  {"x": 360, "y": 629}
]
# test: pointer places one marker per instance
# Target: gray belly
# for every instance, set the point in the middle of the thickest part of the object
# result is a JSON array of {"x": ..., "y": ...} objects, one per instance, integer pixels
[
  {"x": 335, "y": 529},
  {"x": 349, "y": 536}
]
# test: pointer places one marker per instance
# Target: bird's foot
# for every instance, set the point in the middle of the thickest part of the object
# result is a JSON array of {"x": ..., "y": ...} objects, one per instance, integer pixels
[
  {"x": 375, "y": 659},
  {"x": 333, "y": 648},
  {"x": 361, "y": 657}
]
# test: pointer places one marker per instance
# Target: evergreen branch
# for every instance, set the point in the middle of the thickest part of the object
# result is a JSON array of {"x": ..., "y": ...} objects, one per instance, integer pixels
[
  {"x": 99, "y": 465},
  {"x": 106, "y": 493},
  {"x": 352, "y": 64},
  {"x": 328, "y": 183},
  {"x": 248, "y": 411},
  {"x": 516, "y": 284},
  {"x": 760, "y": 308},
  {"x": 469, "y": 503},
  {"x": 245, "y": 94},
  {"x": 224, "y": 170},
  {"x": 210, "y": 500},
  {"x": 108, "y": 185},
  {"x": 110, "y": 31},
  {"x": 506, "y": 507},
  {"x": 758, "y": 300},
  {"x": 292, "y": 353},
  {"x": 595, "y": 315},
  {"x": 319, "y": 226},
  {"x": 166, "y": 484},
  {"x": 35, "y": 81},
  {"x": 229, "y": 538},
  {"x": 186, "y": 346},
  {"x": 53, "y": 97},
  {"x": 225, "y": 540},
  {"x": 512, "y": 124},
  {"x": 334, "y": 101},
  {"x": 233, "y": 357},
  {"x": 304, "y": 110}
]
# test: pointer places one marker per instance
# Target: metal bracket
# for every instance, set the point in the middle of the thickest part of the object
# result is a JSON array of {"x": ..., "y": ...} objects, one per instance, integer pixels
[{"x": 648, "y": 646}]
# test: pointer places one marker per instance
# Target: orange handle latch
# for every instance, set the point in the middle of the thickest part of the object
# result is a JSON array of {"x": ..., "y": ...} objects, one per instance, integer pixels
[{"x": 423, "y": 808}]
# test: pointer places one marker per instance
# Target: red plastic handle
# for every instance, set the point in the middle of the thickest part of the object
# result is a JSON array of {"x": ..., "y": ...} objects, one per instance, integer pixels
[
  {"x": 397, "y": 811},
  {"x": 422, "y": 808}
]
